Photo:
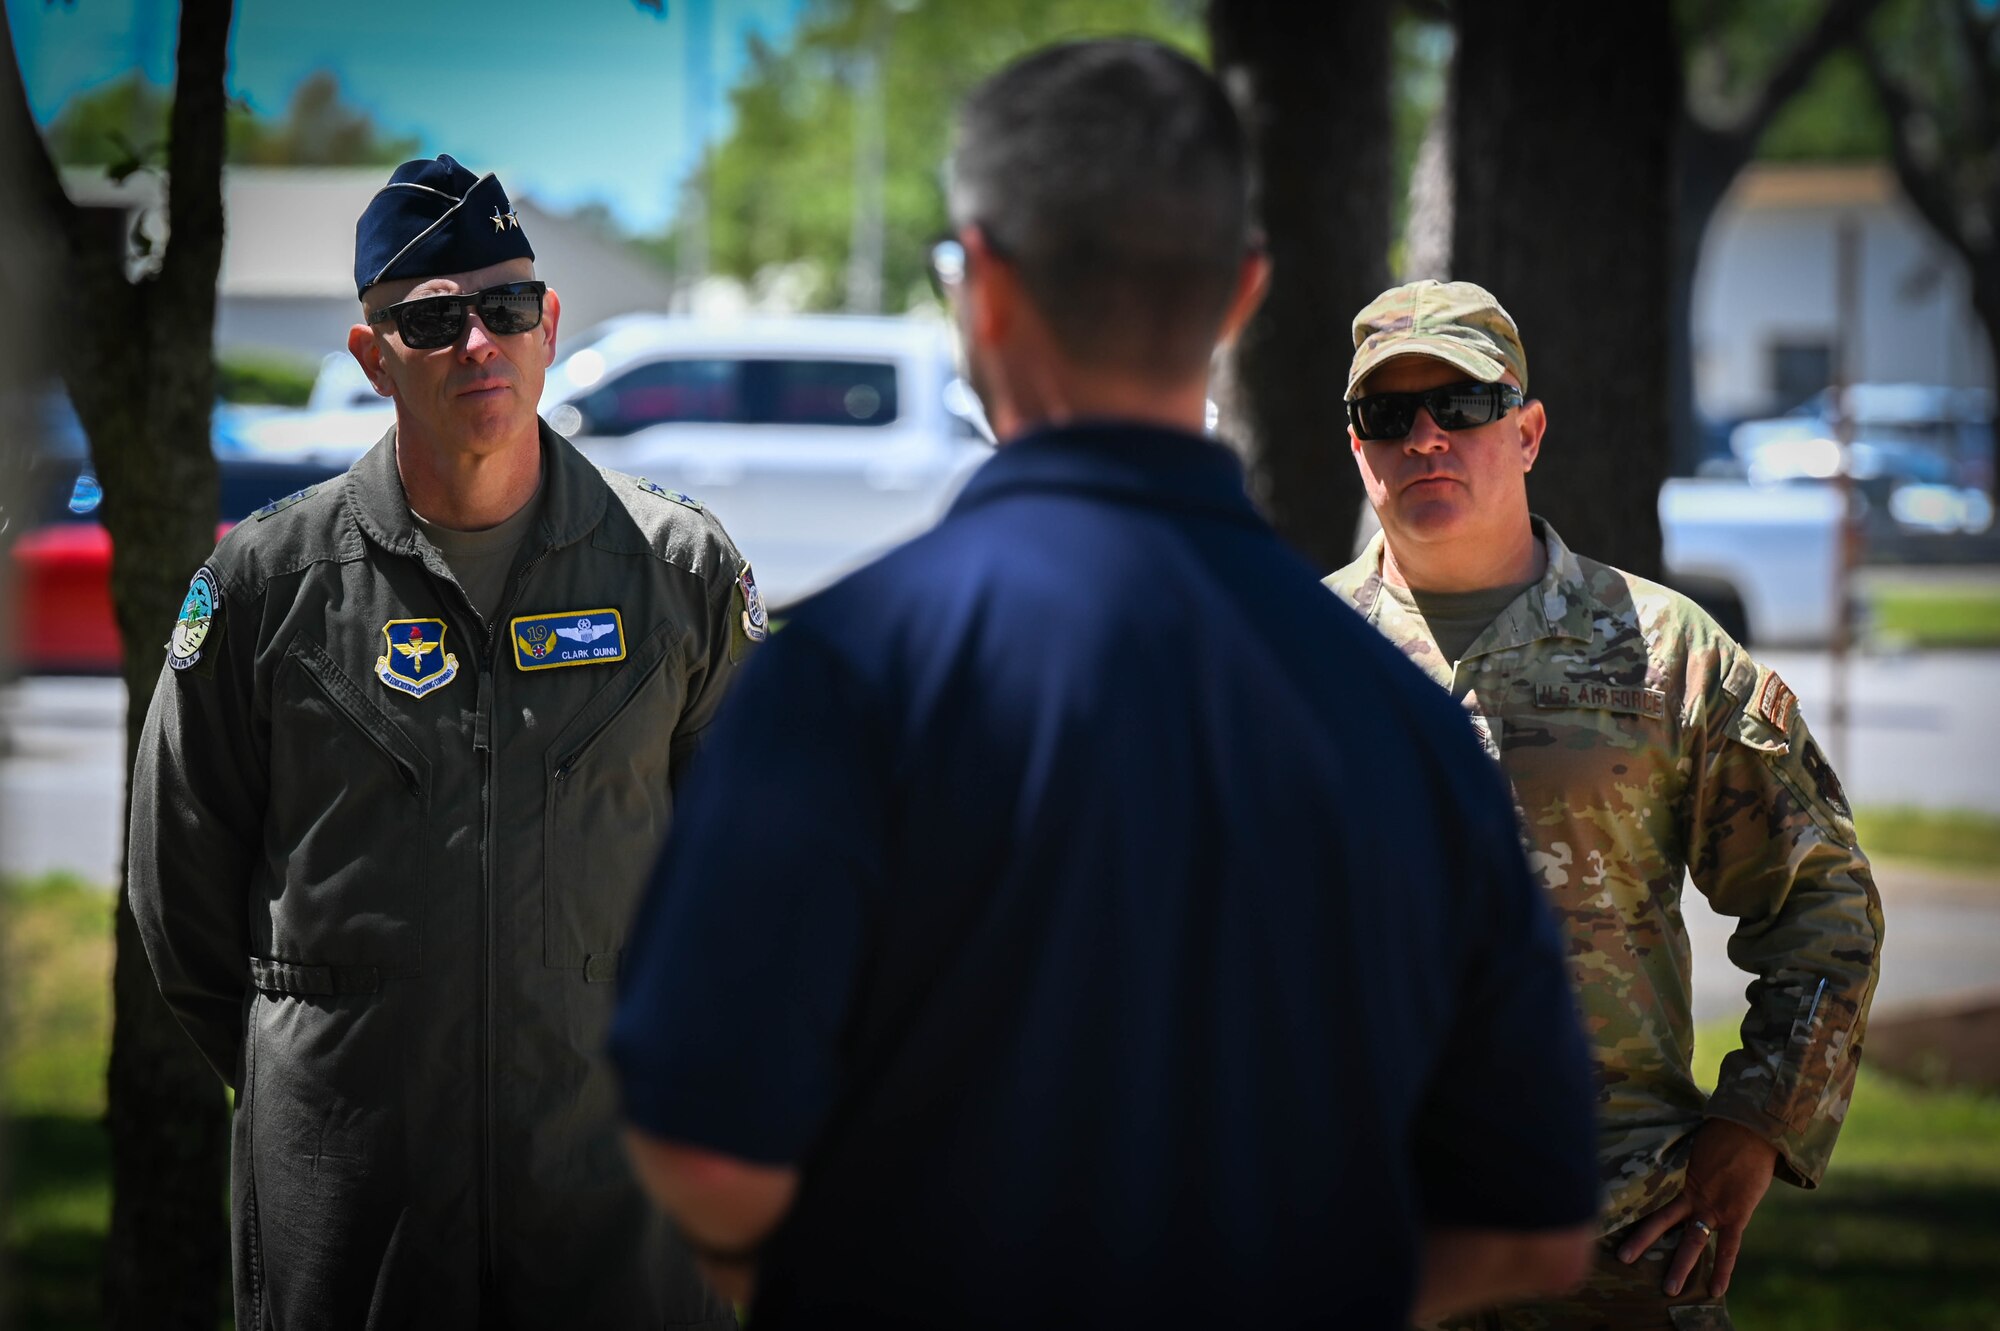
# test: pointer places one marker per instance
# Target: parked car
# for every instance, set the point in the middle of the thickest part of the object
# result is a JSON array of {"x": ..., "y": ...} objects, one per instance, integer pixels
[
  {"x": 819, "y": 441},
  {"x": 1921, "y": 458},
  {"x": 61, "y": 554}
]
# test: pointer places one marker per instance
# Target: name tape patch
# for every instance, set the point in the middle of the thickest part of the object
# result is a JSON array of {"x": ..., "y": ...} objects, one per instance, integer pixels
[
  {"x": 1603, "y": 697},
  {"x": 567, "y": 638}
]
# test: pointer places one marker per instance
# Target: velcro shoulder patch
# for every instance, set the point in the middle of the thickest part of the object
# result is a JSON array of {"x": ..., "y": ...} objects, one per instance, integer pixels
[
  {"x": 280, "y": 505},
  {"x": 655, "y": 488},
  {"x": 1775, "y": 702}
]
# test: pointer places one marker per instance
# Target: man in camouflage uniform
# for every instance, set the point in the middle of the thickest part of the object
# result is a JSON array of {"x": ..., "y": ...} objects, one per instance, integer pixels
[{"x": 1644, "y": 747}]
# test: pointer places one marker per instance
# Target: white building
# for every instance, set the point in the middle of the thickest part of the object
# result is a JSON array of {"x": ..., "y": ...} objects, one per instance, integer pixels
[
  {"x": 1766, "y": 292},
  {"x": 287, "y": 281}
]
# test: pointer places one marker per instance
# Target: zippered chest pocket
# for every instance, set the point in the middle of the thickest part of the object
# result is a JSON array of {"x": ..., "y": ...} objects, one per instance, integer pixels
[
  {"x": 347, "y": 820},
  {"x": 609, "y": 805}
]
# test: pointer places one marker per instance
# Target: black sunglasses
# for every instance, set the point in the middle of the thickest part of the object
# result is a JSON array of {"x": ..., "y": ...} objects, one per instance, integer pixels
[
  {"x": 429, "y": 322},
  {"x": 1463, "y": 406}
]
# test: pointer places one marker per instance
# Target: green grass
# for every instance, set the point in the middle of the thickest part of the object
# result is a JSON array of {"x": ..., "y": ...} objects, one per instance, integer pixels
[
  {"x": 1903, "y": 1233},
  {"x": 1953, "y": 837},
  {"x": 55, "y": 960},
  {"x": 1928, "y": 615}
]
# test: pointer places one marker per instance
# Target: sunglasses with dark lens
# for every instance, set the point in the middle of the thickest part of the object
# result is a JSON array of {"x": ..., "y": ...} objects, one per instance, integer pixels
[
  {"x": 429, "y": 322},
  {"x": 1463, "y": 406}
]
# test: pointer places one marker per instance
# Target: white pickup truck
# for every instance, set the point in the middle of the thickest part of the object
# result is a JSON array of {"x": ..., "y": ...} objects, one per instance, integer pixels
[
  {"x": 822, "y": 440},
  {"x": 1763, "y": 559}
]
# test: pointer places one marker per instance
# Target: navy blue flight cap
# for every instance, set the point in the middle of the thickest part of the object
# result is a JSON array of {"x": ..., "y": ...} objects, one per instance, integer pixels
[{"x": 435, "y": 217}]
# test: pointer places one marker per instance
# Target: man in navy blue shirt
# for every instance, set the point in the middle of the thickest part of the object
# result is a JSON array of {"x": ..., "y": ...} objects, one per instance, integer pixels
[{"x": 1077, "y": 917}]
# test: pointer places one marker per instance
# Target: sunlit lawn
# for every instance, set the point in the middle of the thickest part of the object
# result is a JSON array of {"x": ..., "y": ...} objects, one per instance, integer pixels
[
  {"x": 55, "y": 961},
  {"x": 1904, "y": 1234},
  {"x": 1921, "y": 614},
  {"x": 1952, "y": 837}
]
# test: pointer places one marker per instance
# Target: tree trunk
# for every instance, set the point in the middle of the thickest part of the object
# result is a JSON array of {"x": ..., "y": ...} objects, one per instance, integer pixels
[
  {"x": 1311, "y": 83},
  {"x": 1986, "y": 305},
  {"x": 24, "y": 271},
  {"x": 167, "y": 1257},
  {"x": 1563, "y": 210},
  {"x": 1705, "y": 165},
  {"x": 140, "y": 371}
]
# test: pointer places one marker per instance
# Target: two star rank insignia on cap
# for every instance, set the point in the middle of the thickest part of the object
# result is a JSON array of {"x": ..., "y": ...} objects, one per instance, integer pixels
[{"x": 501, "y": 221}]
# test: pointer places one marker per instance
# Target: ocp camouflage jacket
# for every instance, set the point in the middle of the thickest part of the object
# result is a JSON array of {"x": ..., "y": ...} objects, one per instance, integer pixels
[
  {"x": 1645, "y": 748},
  {"x": 383, "y": 857}
]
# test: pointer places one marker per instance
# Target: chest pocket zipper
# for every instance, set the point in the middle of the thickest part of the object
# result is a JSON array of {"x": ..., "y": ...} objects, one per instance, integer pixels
[
  {"x": 635, "y": 672},
  {"x": 362, "y": 714},
  {"x": 600, "y": 834}
]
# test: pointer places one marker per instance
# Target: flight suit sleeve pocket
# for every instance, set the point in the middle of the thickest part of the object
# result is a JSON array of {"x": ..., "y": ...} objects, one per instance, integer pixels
[
  {"x": 345, "y": 825},
  {"x": 608, "y": 806}
]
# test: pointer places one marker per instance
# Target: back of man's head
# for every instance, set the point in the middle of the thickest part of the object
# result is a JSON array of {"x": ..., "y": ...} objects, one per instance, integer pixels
[{"x": 1113, "y": 176}]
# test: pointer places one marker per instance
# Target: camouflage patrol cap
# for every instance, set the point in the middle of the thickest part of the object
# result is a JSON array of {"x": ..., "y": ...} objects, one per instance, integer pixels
[{"x": 1456, "y": 322}]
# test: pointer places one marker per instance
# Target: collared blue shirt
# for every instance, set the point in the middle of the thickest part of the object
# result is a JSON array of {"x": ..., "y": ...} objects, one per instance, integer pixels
[{"x": 1109, "y": 925}]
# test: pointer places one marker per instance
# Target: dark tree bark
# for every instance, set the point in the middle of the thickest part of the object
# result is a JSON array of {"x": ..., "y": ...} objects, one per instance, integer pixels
[
  {"x": 1312, "y": 85},
  {"x": 1563, "y": 127},
  {"x": 137, "y": 357},
  {"x": 23, "y": 272},
  {"x": 1714, "y": 143},
  {"x": 1945, "y": 143}
]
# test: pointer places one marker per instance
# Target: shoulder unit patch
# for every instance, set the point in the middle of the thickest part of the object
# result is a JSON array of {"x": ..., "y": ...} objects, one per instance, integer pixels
[
  {"x": 655, "y": 488},
  {"x": 756, "y": 624},
  {"x": 191, "y": 628}
]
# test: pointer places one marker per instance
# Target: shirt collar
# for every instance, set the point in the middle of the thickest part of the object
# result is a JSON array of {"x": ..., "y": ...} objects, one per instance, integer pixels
[
  {"x": 572, "y": 504},
  {"x": 1147, "y": 464},
  {"x": 1557, "y": 606}
]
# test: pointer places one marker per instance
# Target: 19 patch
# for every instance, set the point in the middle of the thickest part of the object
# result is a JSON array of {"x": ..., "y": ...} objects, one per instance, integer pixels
[{"x": 567, "y": 638}]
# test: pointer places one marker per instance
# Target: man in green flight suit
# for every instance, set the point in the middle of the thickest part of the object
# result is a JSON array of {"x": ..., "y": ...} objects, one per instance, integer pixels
[
  {"x": 413, "y": 751},
  {"x": 1644, "y": 747}
]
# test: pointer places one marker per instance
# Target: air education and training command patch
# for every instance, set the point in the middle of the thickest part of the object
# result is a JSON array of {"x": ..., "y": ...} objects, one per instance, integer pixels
[
  {"x": 416, "y": 662},
  {"x": 567, "y": 638},
  {"x": 198, "y": 611}
]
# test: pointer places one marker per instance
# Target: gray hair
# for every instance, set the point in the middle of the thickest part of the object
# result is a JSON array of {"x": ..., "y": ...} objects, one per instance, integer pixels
[{"x": 1113, "y": 176}]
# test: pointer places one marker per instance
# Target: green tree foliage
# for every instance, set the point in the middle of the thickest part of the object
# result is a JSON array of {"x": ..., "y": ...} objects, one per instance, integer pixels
[
  {"x": 1835, "y": 119},
  {"x": 123, "y": 124},
  {"x": 780, "y": 188},
  {"x": 1734, "y": 48},
  {"x": 319, "y": 129}
]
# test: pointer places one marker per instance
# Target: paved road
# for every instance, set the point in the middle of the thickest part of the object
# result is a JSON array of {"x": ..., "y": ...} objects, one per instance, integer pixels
[
  {"x": 1923, "y": 725},
  {"x": 1943, "y": 938},
  {"x": 1923, "y": 732},
  {"x": 62, "y": 776}
]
